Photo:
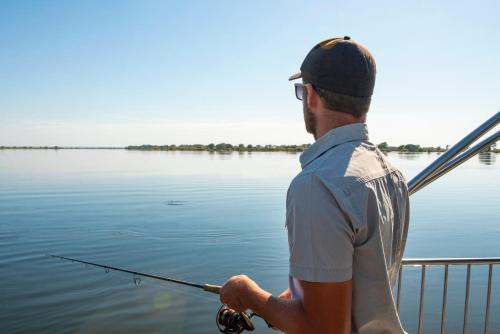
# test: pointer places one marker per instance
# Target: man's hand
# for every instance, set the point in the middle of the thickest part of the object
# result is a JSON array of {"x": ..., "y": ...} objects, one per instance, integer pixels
[{"x": 237, "y": 292}]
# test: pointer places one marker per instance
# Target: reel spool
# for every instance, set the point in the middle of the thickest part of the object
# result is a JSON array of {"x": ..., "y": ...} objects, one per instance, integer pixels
[{"x": 230, "y": 321}]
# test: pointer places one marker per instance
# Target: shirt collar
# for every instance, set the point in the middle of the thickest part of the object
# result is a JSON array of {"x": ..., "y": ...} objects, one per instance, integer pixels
[{"x": 334, "y": 137}]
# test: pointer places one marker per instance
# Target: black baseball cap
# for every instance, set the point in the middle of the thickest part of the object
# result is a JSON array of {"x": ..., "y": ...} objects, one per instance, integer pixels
[{"x": 340, "y": 65}]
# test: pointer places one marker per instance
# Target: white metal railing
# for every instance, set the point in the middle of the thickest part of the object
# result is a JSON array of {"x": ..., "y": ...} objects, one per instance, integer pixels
[
  {"x": 453, "y": 157},
  {"x": 469, "y": 262}
]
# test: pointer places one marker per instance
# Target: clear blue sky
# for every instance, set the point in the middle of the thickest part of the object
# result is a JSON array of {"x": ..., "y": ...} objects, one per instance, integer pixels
[{"x": 131, "y": 72}]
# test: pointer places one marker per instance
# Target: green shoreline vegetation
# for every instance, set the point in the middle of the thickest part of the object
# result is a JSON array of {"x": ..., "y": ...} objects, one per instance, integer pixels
[{"x": 227, "y": 148}]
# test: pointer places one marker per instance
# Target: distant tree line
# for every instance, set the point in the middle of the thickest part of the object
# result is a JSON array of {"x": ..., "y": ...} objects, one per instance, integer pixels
[
  {"x": 410, "y": 148},
  {"x": 225, "y": 148},
  {"x": 222, "y": 147}
]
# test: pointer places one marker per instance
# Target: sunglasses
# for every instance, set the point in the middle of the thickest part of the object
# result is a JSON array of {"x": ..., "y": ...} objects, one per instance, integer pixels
[{"x": 299, "y": 91}]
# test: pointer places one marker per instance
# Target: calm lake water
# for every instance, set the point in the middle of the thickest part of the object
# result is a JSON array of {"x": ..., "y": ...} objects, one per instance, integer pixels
[{"x": 203, "y": 217}]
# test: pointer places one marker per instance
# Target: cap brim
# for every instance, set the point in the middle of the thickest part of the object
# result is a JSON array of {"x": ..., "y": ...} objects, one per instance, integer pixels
[{"x": 295, "y": 76}]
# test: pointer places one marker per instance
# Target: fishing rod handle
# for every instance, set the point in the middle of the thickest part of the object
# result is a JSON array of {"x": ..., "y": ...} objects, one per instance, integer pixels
[{"x": 212, "y": 288}]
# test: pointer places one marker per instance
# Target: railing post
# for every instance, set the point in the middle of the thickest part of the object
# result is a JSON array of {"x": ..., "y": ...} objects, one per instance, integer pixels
[
  {"x": 488, "y": 300},
  {"x": 445, "y": 292},
  {"x": 466, "y": 308},
  {"x": 421, "y": 311},
  {"x": 398, "y": 299}
]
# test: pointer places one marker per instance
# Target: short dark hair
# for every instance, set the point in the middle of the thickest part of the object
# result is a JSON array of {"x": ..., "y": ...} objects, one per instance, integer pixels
[{"x": 353, "y": 105}]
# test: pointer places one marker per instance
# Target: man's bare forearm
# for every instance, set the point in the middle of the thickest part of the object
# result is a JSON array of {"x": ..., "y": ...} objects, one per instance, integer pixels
[
  {"x": 284, "y": 314},
  {"x": 325, "y": 307}
]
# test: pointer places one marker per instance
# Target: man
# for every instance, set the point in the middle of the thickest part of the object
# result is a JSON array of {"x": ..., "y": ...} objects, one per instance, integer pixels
[{"x": 346, "y": 213}]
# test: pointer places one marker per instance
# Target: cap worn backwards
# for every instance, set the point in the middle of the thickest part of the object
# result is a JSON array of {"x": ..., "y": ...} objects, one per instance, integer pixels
[{"x": 340, "y": 65}]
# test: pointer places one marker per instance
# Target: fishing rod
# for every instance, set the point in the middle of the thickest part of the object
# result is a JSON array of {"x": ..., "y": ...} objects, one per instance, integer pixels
[
  {"x": 227, "y": 320},
  {"x": 206, "y": 287}
]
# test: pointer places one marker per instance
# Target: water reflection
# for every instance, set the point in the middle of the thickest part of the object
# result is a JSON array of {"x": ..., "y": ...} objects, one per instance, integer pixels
[
  {"x": 487, "y": 158},
  {"x": 409, "y": 155}
]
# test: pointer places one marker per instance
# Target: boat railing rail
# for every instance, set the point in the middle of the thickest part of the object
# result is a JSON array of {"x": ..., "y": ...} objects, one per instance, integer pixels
[
  {"x": 449, "y": 160},
  {"x": 457, "y": 154},
  {"x": 446, "y": 263}
]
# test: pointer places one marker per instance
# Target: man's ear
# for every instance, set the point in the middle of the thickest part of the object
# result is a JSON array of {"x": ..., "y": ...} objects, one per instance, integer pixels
[{"x": 312, "y": 97}]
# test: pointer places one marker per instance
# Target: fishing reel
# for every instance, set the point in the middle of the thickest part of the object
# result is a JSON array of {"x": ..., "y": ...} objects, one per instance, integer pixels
[{"x": 230, "y": 321}]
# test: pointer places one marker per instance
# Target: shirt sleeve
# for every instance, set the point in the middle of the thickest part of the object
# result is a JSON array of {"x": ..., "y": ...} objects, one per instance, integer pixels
[{"x": 321, "y": 238}]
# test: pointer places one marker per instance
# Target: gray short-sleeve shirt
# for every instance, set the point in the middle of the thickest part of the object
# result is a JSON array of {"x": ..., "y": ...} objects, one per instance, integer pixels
[{"x": 347, "y": 217}]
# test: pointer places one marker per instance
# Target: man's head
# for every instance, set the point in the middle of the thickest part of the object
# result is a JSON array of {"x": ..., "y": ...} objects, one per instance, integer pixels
[{"x": 338, "y": 77}]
